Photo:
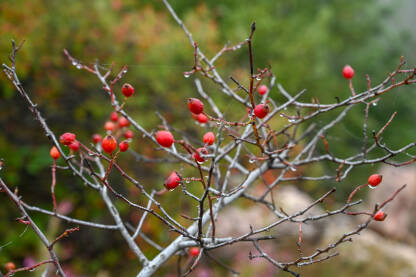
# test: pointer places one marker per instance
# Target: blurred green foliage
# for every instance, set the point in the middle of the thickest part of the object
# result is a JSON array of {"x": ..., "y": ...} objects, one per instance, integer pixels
[{"x": 306, "y": 42}]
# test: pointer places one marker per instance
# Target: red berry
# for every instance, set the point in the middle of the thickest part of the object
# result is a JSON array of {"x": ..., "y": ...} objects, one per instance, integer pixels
[
  {"x": 74, "y": 146},
  {"x": 172, "y": 181},
  {"x": 165, "y": 138},
  {"x": 202, "y": 118},
  {"x": 54, "y": 153},
  {"x": 109, "y": 126},
  {"x": 114, "y": 116},
  {"x": 194, "y": 251},
  {"x": 10, "y": 266},
  {"x": 195, "y": 105},
  {"x": 109, "y": 144},
  {"x": 198, "y": 154},
  {"x": 124, "y": 145},
  {"x": 209, "y": 138},
  {"x": 127, "y": 90},
  {"x": 67, "y": 138},
  {"x": 375, "y": 179},
  {"x": 380, "y": 216},
  {"x": 261, "y": 110},
  {"x": 262, "y": 90},
  {"x": 128, "y": 134},
  {"x": 96, "y": 138},
  {"x": 348, "y": 72},
  {"x": 123, "y": 122}
]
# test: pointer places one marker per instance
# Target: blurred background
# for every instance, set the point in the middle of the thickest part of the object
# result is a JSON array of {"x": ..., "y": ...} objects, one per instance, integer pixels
[{"x": 306, "y": 43}]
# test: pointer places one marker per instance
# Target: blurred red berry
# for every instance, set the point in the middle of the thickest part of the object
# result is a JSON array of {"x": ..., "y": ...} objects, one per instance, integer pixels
[
  {"x": 124, "y": 145},
  {"x": 109, "y": 126},
  {"x": 375, "y": 179},
  {"x": 127, "y": 90},
  {"x": 172, "y": 181},
  {"x": 123, "y": 122},
  {"x": 67, "y": 138},
  {"x": 209, "y": 138},
  {"x": 74, "y": 146},
  {"x": 54, "y": 153},
  {"x": 202, "y": 118},
  {"x": 96, "y": 138},
  {"x": 194, "y": 251},
  {"x": 10, "y": 266},
  {"x": 261, "y": 110},
  {"x": 109, "y": 144},
  {"x": 128, "y": 134},
  {"x": 380, "y": 216},
  {"x": 262, "y": 90},
  {"x": 348, "y": 72},
  {"x": 195, "y": 105},
  {"x": 164, "y": 138},
  {"x": 114, "y": 116},
  {"x": 198, "y": 154}
]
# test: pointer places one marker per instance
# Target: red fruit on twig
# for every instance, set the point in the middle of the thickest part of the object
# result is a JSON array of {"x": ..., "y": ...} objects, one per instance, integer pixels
[
  {"x": 374, "y": 180},
  {"x": 96, "y": 138},
  {"x": 172, "y": 181},
  {"x": 194, "y": 251},
  {"x": 127, "y": 90},
  {"x": 348, "y": 72},
  {"x": 123, "y": 122},
  {"x": 380, "y": 216},
  {"x": 109, "y": 144},
  {"x": 74, "y": 146},
  {"x": 209, "y": 138},
  {"x": 10, "y": 266},
  {"x": 128, "y": 134},
  {"x": 67, "y": 138},
  {"x": 198, "y": 154},
  {"x": 54, "y": 153},
  {"x": 109, "y": 126},
  {"x": 124, "y": 145},
  {"x": 114, "y": 116},
  {"x": 262, "y": 90},
  {"x": 165, "y": 138},
  {"x": 261, "y": 110},
  {"x": 195, "y": 105}
]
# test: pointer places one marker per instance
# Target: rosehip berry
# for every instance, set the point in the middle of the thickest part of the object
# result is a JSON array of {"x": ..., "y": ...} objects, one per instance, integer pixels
[
  {"x": 173, "y": 180},
  {"x": 209, "y": 138},
  {"x": 262, "y": 90},
  {"x": 127, "y": 90},
  {"x": 96, "y": 138},
  {"x": 54, "y": 153},
  {"x": 261, "y": 110},
  {"x": 348, "y": 72},
  {"x": 128, "y": 134},
  {"x": 114, "y": 116},
  {"x": 165, "y": 138},
  {"x": 74, "y": 146},
  {"x": 198, "y": 154},
  {"x": 109, "y": 144},
  {"x": 194, "y": 251},
  {"x": 375, "y": 179},
  {"x": 124, "y": 145},
  {"x": 123, "y": 122},
  {"x": 67, "y": 138},
  {"x": 10, "y": 266},
  {"x": 380, "y": 216},
  {"x": 201, "y": 118},
  {"x": 195, "y": 105},
  {"x": 109, "y": 126}
]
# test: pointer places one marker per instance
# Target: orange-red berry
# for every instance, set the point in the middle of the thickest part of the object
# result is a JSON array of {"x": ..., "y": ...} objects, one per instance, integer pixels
[
  {"x": 10, "y": 266},
  {"x": 380, "y": 216},
  {"x": 375, "y": 179},
  {"x": 348, "y": 72},
  {"x": 109, "y": 126},
  {"x": 96, "y": 138},
  {"x": 165, "y": 138},
  {"x": 195, "y": 105},
  {"x": 199, "y": 153},
  {"x": 194, "y": 251},
  {"x": 114, "y": 116},
  {"x": 209, "y": 138},
  {"x": 127, "y": 90},
  {"x": 74, "y": 146},
  {"x": 172, "y": 181},
  {"x": 67, "y": 138},
  {"x": 124, "y": 145},
  {"x": 261, "y": 110},
  {"x": 123, "y": 122},
  {"x": 128, "y": 134},
  {"x": 109, "y": 144},
  {"x": 262, "y": 90},
  {"x": 54, "y": 153}
]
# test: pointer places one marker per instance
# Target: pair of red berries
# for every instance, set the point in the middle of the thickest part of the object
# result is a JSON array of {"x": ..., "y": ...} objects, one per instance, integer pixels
[
  {"x": 109, "y": 145},
  {"x": 69, "y": 140}
]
